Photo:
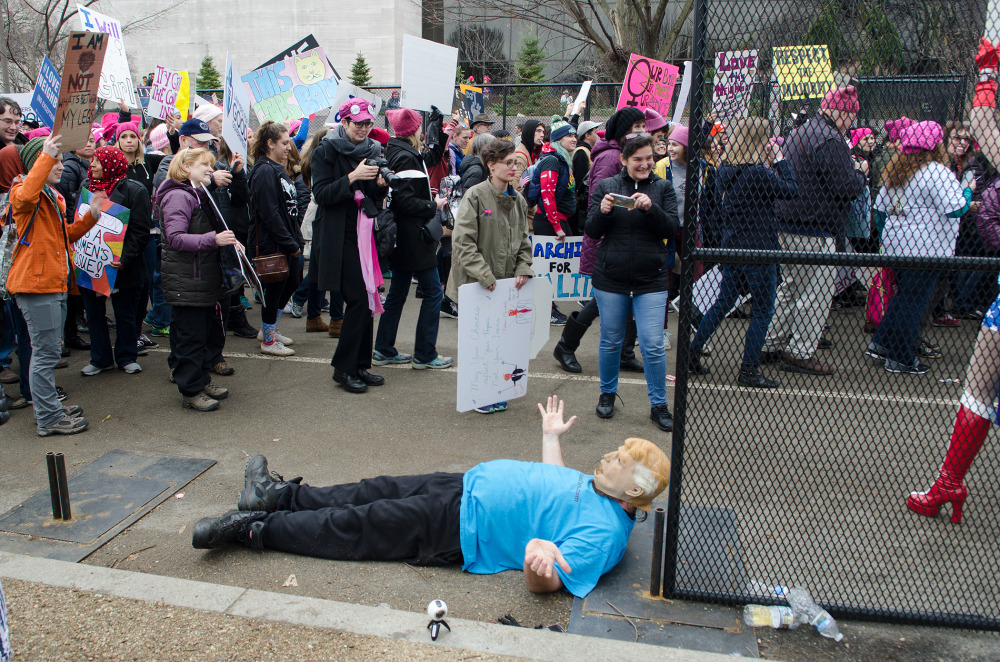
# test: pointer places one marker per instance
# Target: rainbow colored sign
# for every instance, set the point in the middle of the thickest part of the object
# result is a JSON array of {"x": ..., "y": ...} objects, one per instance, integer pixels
[
  {"x": 95, "y": 251},
  {"x": 293, "y": 88}
]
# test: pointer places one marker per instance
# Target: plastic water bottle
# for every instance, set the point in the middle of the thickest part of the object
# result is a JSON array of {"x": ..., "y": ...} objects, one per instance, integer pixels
[
  {"x": 777, "y": 617},
  {"x": 809, "y": 612}
]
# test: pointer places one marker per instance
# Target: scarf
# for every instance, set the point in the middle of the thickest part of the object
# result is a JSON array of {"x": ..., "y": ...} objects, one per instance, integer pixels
[
  {"x": 370, "y": 269},
  {"x": 366, "y": 149},
  {"x": 114, "y": 167}
]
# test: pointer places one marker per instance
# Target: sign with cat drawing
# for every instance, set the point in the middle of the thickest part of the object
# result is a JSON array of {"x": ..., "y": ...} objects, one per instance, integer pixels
[{"x": 293, "y": 88}]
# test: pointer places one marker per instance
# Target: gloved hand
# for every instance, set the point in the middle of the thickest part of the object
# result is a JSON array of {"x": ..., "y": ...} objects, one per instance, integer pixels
[
  {"x": 436, "y": 117},
  {"x": 986, "y": 57}
]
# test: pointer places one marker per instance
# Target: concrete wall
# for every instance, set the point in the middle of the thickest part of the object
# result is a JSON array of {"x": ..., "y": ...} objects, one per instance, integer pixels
[{"x": 256, "y": 30}]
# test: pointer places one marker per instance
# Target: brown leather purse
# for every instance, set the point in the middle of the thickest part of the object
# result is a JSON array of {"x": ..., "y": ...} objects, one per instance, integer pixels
[{"x": 269, "y": 268}]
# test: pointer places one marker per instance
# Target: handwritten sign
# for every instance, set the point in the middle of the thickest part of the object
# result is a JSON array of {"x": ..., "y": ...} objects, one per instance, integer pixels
[
  {"x": 307, "y": 43},
  {"x": 803, "y": 71},
  {"x": 95, "y": 251},
  {"x": 235, "y": 108},
  {"x": 292, "y": 89},
  {"x": 494, "y": 336},
  {"x": 648, "y": 84},
  {"x": 735, "y": 72},
  {"x": 428, "y": 77},
  {"x": 559, "y": 262},
  {"x": 163, "y": 95},
  {"x": 116, "y": 79},
  {"x": 78, "y": 89},
  {"x": 45, "y": 98}
]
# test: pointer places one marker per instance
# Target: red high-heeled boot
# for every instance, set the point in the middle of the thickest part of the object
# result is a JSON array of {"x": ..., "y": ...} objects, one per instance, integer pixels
[{"x": 966, "y": 441}]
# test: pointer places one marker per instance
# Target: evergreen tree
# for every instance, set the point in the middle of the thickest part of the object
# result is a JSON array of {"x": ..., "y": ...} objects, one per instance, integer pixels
[
  {"x": 209, "y": 77},
  {"x": 530, "y": 69},
  {"x": 361, "y": 73}
]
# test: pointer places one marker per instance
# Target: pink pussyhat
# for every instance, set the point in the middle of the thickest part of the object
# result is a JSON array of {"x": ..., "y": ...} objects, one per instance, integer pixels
[
  {"x": 40, "y": 132},
  {"x": 893, "y": 128},
  {"x": 404, "y": 121},
  {"x": 858, "y": 134},
  {"x": 921, "y": 137},
  {"x": 842, "y": 98}
]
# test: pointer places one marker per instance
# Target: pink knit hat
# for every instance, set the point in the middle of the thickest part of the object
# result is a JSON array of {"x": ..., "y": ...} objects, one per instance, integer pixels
[
  {"x": 895, "y": 127},
  {"x": 921, "y": 137},
  {"x": 126, "y": 126},
  {"x": 404, "y": 121},
  {"x": 158, "y": 137},
  {"x": 842, "y": 98},
  {"x": 40, "y": 132},
  {"x": 654, "y": 121},
  {"x": 858, "y": 134},
  {"x": 680, "y": 134}
]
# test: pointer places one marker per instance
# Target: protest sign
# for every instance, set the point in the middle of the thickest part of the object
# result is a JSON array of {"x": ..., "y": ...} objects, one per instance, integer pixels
[
  {"x": 803, "y": 71},
  {"x": 116, "y": 79},
  {"x": 735, "y": 72},
  {"x": 559, "y": 262},
  {"x": 705, "y": 292},
  {"x": 428, "y": 74},
  {"x": 78, "y": 89},
  {"x": 94, "y": 252},
  {"x": 992, "y": 28},
  {"x": 582, "y": 96},
  {"x": 685, "y": 91},
  {"x": 235, "y": 108},
  {"x": 648, "y": 84},
  {"x": 298, "y": 48},
  {"x": 183, "y": 105},
  {"x": 292, "y": 88},
  {"x": 347, "y": 91},
  {"x": 472, "y": 100},
  {"x": 163, "y": 95},
  {"x": 45, "y": 98},
  {"x": 494, "y": 337}
]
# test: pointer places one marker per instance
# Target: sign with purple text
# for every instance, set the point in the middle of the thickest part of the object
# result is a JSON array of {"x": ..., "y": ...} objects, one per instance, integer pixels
[
  {"x": 116, "y": 78},
  {"x": 293, "y": 88},
  {"x": 94, "y": 252},
  {"x": 735, "y": 72},
  {"x": 163, "y": 95},
  {"x": 648, "y": 83}
]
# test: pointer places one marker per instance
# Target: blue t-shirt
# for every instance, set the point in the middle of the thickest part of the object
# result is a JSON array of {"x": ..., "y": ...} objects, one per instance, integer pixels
[{"x": 506, "y": 503}]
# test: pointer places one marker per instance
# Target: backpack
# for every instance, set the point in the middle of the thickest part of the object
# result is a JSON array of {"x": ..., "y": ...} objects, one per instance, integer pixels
[
  {"x": 385, "y": 234},
  {"x": 531, "y": 184},
  {"x": 9, "y": 243}
]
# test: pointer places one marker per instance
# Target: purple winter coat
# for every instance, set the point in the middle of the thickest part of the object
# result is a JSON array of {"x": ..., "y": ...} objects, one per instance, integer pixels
[
  {"x": 606, "y": 157},
  {"x": 190, "y": 268}
]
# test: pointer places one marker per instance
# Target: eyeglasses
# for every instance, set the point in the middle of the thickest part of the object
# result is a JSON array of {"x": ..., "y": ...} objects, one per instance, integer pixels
[
  {"x": 510, "y": 163},
  {"x": 7, "y": 121},
  {"x": 961, "y": 139},
  {"x": 364, "y": 125}
]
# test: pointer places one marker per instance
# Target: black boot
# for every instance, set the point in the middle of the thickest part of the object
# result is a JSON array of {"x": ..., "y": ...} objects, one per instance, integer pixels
[
  {"x": 350, "y": 383},
  {"x": 750, "y": 375},
  {"x": 239, "y": 324},
  {"x": 4, "y": 409},
  {"x": 695, "y": 366},
  {"x": 660, "y": 414},
  {"x": 569, "y": 342},
  {"x": 261, "y": 489},
  {"x": 628, "y": 361},
  {"x": 233, "y": 527}
]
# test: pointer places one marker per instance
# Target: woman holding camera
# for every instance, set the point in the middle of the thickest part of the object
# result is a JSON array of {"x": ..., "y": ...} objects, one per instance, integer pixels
[
  {"x": 415, "y": 207},
  {"x": 633, "y": 213}
]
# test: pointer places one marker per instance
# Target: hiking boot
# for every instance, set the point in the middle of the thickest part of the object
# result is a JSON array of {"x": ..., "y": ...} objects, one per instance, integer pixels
[
  {"x": 65, "y": 425},
  {"x": 378, "y": 358},
  {"x": 233, "y": 527},
  {"x": 284, "y": 340},
  {"x": 216, "y": 392},
  {"x": 223, "y": 368},
  {"x": 606, "y": 405},
  {"x": 751, "y": 376},
  {"x": 317, "y": 325},
  {"x": 200, "y": 402},
  {"x": 808, "y": 366},
  {"x": 276, "y": 348},
  {"x": 8, "y": 376},
  {"x": 437, "y": 363},
  {"x": 261, "y": 488},
  {"x": 73, "y": 410},
  {"x": 335, "y": 326},
  {"x": 660, "y": 414}
]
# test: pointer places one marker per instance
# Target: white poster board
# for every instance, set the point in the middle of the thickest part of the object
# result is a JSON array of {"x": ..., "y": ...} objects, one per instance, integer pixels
[
  {"x": 494, "y": 338},
  {"x": 680, "y": 103},
  {"x": 705, "y": 291},
  {"x": 347, "y": 91},
  {"x": 116, "y": 79},
  {"x": 735, "y": 72},
  {"x": 163, "y": 94},
  {"x": 428, "y": 74},
  {"x": 582, "y": 96},
  {"x": 541, "y": 324},
  {"x": 235, "y": 108},
  {"x": 559, "y": 263},
  {"x": 992, "y": 30}
]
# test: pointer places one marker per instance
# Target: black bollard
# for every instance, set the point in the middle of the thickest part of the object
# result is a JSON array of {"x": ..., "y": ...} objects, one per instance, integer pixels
[
  {"x": 659, "y": 516},
  {"x": 63, "y": 486},
  {"x": 50, "y": 461}
]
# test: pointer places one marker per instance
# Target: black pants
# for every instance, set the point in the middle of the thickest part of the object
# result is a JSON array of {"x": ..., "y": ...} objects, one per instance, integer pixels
[
  {"x": 74, "y": 306},
  {"x": 389, "y": 518},
  {"x": 276, "y": 295},
  {"x": 217, "y": 331},
  {"x": 192, "y": 329},
  {"x": 354, "y": 349}
]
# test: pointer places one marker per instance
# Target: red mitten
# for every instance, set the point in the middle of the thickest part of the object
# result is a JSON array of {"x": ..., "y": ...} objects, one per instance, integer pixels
[{"x": 986, "y": 57}]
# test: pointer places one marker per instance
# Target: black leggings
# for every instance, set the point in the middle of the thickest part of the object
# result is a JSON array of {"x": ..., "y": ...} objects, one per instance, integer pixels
[{"x": 276, "y": 295}]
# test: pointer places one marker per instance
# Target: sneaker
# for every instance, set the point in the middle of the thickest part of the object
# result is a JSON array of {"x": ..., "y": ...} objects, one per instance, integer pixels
[
  {"x": 876, "y": 351},
  {"x": 296, "y": 310},
  {"x": 144, "y": 341},
  {"x": 223, "y": 368},
  {"x": 132, "y": 368},
  {"x": 492, "y": 409},
  {"x": 276, "y": 348},
  {"x": 660, "y": 414},
  {"x": 284, "y": 340},
  {"x": 90, "y": 370},
  {"x": 287, "y": 309},
  {"x": 915, "y": 368},
  {"x": 378, "y": 358},
  {"x": 245, "y": 303},
  {"x": 60, "y": 393},
  {"x": 695, "y": 366},
  {"x": 948, "y": 322},
  {"x": 324, "y": 307},
  {"x": 437, "y": 363},
  {"x": 216, "y": 392},
  {"x": 557, "y": 318},
  {"x": 925, "y": 350},
  {"x": 606, "y": 405},
  {"x": 73, "y": 410},
  {"x": 160, "y": 331},
  {"x": 449, "y": 309},
  {"x": 65, "y": 425},
  {"x": 200, "y": 402},
  {"x": 140, "y": 350},
  {"x": 20, "y": 402},
  {"x": 667, "y": 344}
]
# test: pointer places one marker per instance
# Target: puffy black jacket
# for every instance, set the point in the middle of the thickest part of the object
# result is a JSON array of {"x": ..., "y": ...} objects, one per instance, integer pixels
[
  {"x": 473, "y": 171},
  {"x": 133, "y": 196},
  {"x": 233, "y": 201},
  {"x": 274, "y": 212},
  {"x": 633, "y": 257},
  {"x": 412, "y": 203},
  {"x": 73, "y": 176}
]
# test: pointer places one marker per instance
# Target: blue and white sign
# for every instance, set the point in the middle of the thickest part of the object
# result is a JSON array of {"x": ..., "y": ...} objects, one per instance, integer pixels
[
  {"x": 45, "y": 98},
  {"x": 559, "y": 262}
]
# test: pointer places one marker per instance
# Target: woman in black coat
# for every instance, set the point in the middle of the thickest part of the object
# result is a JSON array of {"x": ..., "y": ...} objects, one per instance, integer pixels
[
  {"x": 416, "y": 253},
  {"x": 274, "y": 228},
  {"x": 633, "y": 213}
]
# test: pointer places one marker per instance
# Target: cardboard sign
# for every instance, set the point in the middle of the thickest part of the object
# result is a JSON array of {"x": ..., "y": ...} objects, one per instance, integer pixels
[
  {"x": 494, "y": 337},
  {"x": 163, "y": 94},
  {"x": 78, "y": 90},
  {"x": 559, "y": 263},
  {"x": 45, "y": 98},
  {"x": 346, "y": 91},
  {"x": 293, "y": 88},
  {"x": 648, "y": 84},
  {"x": 803, "y": 71},
  {"x": 235, "y": 109},
  {"x": 94, "y": 252},
  {"x": 298, "y": 48},
  {"x": 735, "y": 72},
  {"x": 184, "y": 96},
  {"x": 428, "y": 74},
  {"x": 116, "y": 79}
]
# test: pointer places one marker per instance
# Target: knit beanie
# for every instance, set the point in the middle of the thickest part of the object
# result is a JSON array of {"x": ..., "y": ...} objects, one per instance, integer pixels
[
  {"x": 158, "y": 137},
  {"x": 654, "y": 121},
  {"x": 619, "y": 124},
  {"x": 858, "y": 134},
  {"x": 381, "y": 136},
  {"x": 918, "y": 137},
  {"x": 126, "y": 126},
  {"x": 404, "y": 121},
  {"x": 40, "y": 132},
  {"x": 895, "y": 127},
  {"x": 207, "y": 112},
  {"x": 560, "y": 129},
  {"x": 680, "y": 134},
  {"x": 30, "y": 152},
  {"x": 842, "y": 98}
]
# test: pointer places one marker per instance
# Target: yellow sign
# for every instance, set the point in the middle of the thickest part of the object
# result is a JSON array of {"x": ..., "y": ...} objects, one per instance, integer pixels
[
  {"x": 183, "y": 104},
  {"x": 803, "y": 71}
]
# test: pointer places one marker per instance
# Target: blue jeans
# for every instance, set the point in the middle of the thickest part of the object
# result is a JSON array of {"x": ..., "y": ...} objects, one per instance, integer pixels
[
  {"x": 159, "y": 312},
  {"x": 969, "y": 287},
  {"x": 425, "y": 340},
  {"x": 901, "y": 323},
  {"x": 7, "y": 335},
  {"x": 16, "y": 321},
  {"x": 648, "y": 310},
  {"x": 124, "y": 302},
  {"x": 761, "y": 280},
  {"x": 44, "y": 315}
]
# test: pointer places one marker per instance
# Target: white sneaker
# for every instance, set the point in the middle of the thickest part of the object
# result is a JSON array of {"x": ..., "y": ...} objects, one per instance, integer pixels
[
  {"x": 277, "y": 348},
  {"x": 666, "y": 340},
  {"x": 132, "y": 368},
  {"x": 284, "y": 340},
  {"x": 287, "y": 309}
]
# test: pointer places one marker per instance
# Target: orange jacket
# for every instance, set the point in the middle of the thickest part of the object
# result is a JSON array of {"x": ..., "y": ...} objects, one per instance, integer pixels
[{"x": 41, "y": 266}]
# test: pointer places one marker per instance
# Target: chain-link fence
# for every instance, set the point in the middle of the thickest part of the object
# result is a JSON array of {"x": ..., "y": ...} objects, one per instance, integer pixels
[{"x": 839, "y": 351}]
